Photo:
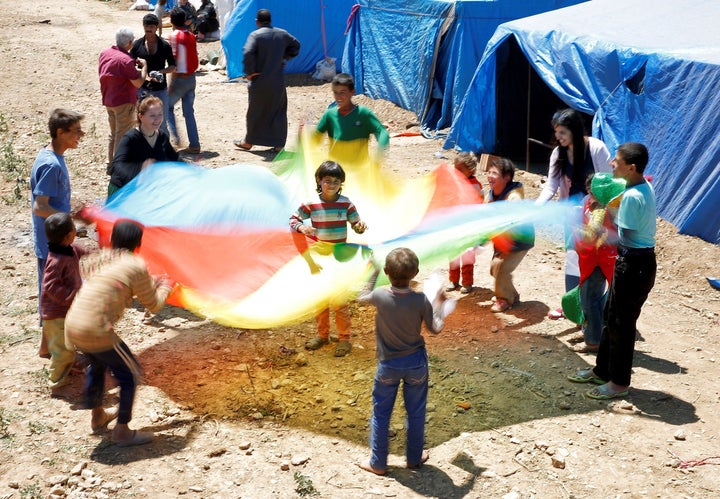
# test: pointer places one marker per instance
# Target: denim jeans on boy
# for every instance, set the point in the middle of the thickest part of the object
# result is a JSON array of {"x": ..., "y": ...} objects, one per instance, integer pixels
[
  {"x": 592, "y": 299},
  {"x": 183, "y": 89},
  {"x": 412, "y": 370}
]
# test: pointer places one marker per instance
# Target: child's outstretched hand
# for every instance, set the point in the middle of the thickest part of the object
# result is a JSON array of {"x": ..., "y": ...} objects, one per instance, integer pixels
[
  {"x": 359, "y": 227},
  {"x": 308, "y": 230}
]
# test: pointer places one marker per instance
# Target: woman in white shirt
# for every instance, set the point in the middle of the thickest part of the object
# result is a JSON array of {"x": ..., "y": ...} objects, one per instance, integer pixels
[{"x": 576, "y": 157}]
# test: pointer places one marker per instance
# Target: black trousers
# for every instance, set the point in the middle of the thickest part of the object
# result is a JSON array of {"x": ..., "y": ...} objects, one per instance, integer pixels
[{"x": 633, "y": 279}]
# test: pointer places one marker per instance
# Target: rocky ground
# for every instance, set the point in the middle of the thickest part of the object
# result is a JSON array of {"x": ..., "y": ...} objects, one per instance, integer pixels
[{"x": 248, "y": 413}]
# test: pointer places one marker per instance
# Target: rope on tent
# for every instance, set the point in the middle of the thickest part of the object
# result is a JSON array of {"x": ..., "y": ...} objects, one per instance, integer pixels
[
  {"x": 322, "y": 28},
  {"x": 353, "y": 13}
]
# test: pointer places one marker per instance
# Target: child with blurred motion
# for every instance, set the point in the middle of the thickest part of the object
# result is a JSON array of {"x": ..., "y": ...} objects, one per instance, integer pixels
[
  {"x": 61, "y": 281},
  {"x": 329, "y": 215},
  {"x": 511, "y": 246},
  {"x": 345, "y": 121},
  {"x": 464, "y": 265},
  {"x": 401, "y": 355},
  {"x": 596, "y": 246},
  {"x": 117, "y": 276}
]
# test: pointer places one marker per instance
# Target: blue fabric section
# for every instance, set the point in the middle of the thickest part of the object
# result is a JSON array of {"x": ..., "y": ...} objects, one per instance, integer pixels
[
  {"x": 593, "y": 56},
  {"x": 182, "y": 195},
  {"x": 301, "y": 18},
  {"x": 422, "y": 54}
]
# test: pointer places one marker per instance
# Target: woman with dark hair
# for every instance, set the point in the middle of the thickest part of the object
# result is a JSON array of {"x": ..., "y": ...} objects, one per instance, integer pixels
[
  {"x": 576, "y": 157},
  {"x": 115, "y": 277}
]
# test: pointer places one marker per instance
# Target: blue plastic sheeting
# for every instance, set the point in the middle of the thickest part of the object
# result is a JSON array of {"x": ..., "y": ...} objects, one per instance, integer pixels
[
  {"x": 649, "y": 72},
  {"x": 304, "y": 19},
  {"x": 422, "y": 54}
]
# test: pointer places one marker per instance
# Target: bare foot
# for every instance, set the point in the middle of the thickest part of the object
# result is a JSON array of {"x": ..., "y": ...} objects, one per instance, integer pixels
[
  {"x": 366, "y": 466},
  {"x": 101, "y": 418},
  {"x": 423, "y": 459}
]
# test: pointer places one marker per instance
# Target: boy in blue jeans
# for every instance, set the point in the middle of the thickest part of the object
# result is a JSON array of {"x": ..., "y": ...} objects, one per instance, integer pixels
[{"x": 401, "y": 357}]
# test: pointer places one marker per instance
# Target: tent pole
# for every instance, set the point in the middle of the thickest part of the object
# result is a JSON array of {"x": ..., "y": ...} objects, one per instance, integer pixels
[{"x": 527, "y": 123}]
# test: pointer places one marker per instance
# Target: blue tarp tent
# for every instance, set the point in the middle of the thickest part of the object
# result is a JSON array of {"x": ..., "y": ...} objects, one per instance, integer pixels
[
  {"x": 307, "y": 20},
  {"x": 421, "y": 54},
  {"x": 648, "y": 70}
]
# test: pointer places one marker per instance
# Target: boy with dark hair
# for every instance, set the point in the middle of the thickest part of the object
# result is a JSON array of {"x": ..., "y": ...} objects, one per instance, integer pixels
[
  {"x": 61, "y": 281},
  {"x": 401, "y": 355},
  {"x": 349, "y": 123},
  {"x": 329, "y": 216},
  {"x": 90, "y": 326},
  {"x": 182, "y": 83},
  {"x": 633, "y": 278},
  {"x": 50, "y": 186}
]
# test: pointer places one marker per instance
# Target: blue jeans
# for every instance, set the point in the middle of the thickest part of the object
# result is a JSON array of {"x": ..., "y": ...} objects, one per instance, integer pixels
[
  {"x": 412, "y": 370},
  {"x": 592, "y": 299},
  {"x": 183, "y": 89},
  {"x": 163, "y": 96}
]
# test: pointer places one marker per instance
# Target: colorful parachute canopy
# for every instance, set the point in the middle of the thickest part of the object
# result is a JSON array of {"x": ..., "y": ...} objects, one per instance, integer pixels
[{"x": 223, "y": 234}]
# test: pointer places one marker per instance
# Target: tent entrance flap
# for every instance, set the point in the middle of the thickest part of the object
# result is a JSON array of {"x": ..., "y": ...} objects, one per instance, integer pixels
[{"x": 514, "y": 93}]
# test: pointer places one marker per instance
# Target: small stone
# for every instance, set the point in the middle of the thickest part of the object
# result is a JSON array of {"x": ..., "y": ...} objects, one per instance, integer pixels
[
  {"x": 298, "y": 460},
  {"x": 284, "y": 465},
  {"x": 195, "y": 488},
  {"x": 78, "y": 468},
  {"x": 244, "y": 445},
  {"x": 541, "y": 445},
  {"x": 55, "y": 480},
  {"x": 680, "y": 435},
  {"x": 558, "y": 461},
  {"x": 257, "y": 416}
]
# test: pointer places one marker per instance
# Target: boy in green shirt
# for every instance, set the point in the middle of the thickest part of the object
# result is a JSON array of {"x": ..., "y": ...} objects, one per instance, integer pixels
[{"x": 348, "y": 125}]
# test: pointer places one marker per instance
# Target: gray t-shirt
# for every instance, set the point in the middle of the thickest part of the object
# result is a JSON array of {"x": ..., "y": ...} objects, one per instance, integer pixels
[{"x": 398, "y": 321}]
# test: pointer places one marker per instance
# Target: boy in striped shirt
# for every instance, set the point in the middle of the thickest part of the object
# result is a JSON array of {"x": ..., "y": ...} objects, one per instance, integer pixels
[{"x": 329, "y": 215}]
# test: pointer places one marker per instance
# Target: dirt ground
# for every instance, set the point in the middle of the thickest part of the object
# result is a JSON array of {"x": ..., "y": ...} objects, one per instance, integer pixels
[{"x": 238, "y": 414}]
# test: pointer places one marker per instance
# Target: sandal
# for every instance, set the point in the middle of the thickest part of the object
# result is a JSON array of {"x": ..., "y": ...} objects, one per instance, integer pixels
[
  {"x": 316, "y": 343},
  {"x": 242, "y": 145},
  {"x": 586, "y": 348},
  {"x": 138, "y": 438},
  {"x": 500, "y": 306},
  {"x": 604, "y": 392},
  {"x": 343, "y": 348},
  {"x": 556, "y": 314},
  {"x": 585, "y": 376}
]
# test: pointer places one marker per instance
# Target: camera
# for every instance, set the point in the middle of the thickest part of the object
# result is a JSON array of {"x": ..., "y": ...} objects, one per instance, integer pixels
[{"x": 157, "y": 76}]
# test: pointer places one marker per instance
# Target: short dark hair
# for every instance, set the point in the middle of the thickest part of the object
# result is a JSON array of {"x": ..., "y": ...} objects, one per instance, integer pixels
[
  {"x": 151, "y": 20},
  {"x": 401, "y": 265},
  {"x": 329, "y": 169},
  {"x": 263, "y": 16},
  {"x": 636, "y": 154},
  {"x": 58, "y": 226},
  {"x": 504, "y": 166},
  {"x": 177, "y": 17},
  {"x": 126, "y": 234},
  {"x": 62, "y": 118},
  {"x": 344, "y": 80}
]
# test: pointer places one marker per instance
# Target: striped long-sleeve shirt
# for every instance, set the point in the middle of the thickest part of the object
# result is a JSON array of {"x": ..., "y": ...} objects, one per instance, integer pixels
[
  {"x": 117, "y": 276},
  {"x": 330, "y": 219}
]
